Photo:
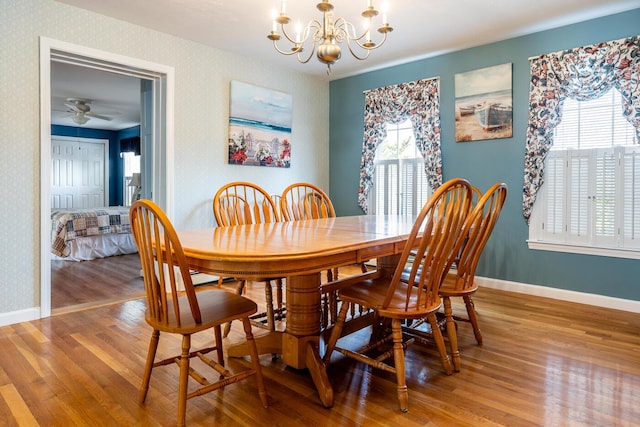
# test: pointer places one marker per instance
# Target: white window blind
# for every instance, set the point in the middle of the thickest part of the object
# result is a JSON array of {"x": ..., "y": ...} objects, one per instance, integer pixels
[
  {"x": 590, "y": 199},
  {"x": 630, "y": 188}
]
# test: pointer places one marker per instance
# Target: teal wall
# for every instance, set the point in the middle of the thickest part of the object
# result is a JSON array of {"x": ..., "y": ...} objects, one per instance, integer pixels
[{"x": 483, "y": 163}]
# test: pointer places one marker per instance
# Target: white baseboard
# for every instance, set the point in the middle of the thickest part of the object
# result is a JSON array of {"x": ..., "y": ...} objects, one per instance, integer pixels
[
  {"x": 561, "y": 294},
  {"x": 18, "y": 316}
]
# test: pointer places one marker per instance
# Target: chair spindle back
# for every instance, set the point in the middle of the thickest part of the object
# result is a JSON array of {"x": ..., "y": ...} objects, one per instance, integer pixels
[
  {"x": 238, "y": 203},
  {"x": 305, "y": 201},
  {"x": 162, "y": 260},
  {"x": 434, "y": 237},
  {"x": 476, "y": 232}
]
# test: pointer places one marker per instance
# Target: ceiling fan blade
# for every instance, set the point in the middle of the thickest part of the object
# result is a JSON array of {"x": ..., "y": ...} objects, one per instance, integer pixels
[
  {"x": 98, "y": 116},
  {"x": 72, "y": 106},
  {"x": 80, "y": 104}
]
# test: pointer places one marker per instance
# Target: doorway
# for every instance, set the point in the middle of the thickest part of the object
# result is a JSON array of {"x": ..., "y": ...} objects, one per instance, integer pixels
[{"x": 156, "y": 133}]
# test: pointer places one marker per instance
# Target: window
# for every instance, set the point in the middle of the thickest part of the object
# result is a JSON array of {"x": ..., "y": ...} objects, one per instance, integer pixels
[
  {"x": 131, "y": 165},
  {"x": 400, "y": 183},
  {"x": 590, "y": 200}
]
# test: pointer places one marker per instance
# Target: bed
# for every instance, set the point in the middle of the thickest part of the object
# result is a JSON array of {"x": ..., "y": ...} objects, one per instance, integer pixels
[{"x": 86, "y": 234}]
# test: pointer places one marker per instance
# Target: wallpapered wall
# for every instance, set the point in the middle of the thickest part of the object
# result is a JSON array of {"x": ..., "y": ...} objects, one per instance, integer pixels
[{"x": 201, "y": 116}]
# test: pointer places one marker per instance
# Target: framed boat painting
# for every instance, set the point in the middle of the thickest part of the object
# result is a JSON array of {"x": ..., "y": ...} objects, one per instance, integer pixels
[
  {"x": 484, "y": 104},
  {"x": 259, "y": 126}
]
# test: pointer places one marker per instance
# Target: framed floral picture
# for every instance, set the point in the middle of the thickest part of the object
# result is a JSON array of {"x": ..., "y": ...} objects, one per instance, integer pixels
[
  {"x": 259, "y": 126},
  {"x": 484, "y": 104}
]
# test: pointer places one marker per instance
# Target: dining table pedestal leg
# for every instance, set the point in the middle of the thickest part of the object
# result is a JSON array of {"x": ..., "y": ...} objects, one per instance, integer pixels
[
  {"x": 318, "y": 371},
  {"x": 300, "y": 341}
]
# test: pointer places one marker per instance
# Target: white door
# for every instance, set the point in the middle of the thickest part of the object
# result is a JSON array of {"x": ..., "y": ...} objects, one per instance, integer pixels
[{"x": 78, "y": 172}]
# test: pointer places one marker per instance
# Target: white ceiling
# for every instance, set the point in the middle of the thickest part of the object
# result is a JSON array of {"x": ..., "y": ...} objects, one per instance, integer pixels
[
  {"x": 422, "y": 28},
  {"x": 113, "y": 95}
]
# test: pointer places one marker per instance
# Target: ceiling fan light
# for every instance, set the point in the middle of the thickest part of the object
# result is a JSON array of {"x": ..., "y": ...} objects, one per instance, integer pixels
[{"x": 80, "y": 119}]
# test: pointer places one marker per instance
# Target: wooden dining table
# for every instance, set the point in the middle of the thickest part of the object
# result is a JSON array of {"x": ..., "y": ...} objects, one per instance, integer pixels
[{"x": 300, "y": 251}]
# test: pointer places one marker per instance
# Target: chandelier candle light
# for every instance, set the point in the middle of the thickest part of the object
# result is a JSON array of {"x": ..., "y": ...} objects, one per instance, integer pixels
[{"x": 327, "y": 34}]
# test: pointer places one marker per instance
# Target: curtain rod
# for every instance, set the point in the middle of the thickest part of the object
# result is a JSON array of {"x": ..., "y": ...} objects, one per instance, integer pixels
[{"x": 427, "y": 79}]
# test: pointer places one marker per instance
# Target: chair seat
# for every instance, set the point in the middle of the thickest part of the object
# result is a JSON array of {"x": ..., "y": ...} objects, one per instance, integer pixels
[
  {"x": 216, "y": 307},
  {"x": 372, "y": 293},
  {"x": 453, "y": 286}
]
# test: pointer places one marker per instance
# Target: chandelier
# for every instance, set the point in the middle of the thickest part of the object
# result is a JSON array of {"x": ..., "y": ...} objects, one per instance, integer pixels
[{"x": 324, "y": 37}]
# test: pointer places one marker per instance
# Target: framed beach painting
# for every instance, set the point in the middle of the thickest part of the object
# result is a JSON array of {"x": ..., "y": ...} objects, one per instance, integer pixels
[
  {"x": 484, "y": 104},
  {"x": 259, "y": 126}
]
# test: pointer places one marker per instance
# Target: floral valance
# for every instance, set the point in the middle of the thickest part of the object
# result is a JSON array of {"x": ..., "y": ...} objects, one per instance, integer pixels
[
  {"x": 583, "y": 73},
  {"x": 418, "y": 101}
]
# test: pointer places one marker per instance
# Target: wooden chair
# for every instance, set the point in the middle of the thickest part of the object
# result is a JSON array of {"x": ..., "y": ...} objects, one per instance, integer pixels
[
  {"x": 459, "y": 281},
  {"x": 185, "y": 313},
  {"x": 238, "y": 203},
  {"x": 306, "y": 201},
  {"x": 435, "y": 236},
  {"x": 477, "y": 195}
]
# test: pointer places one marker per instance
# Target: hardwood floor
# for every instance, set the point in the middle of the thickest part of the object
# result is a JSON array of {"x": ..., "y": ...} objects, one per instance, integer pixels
[
  {"x": 90, "y": 283},
  {"x": 543, "y": 363}
]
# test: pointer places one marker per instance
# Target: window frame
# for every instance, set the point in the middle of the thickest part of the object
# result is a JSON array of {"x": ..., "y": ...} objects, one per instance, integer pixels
[{"x": 569, "y": 223}]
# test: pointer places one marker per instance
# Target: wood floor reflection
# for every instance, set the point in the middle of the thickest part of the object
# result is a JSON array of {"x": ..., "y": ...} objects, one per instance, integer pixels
[
  {"x": 543, "y": 363},
  {"x": 81, "y": 284}
]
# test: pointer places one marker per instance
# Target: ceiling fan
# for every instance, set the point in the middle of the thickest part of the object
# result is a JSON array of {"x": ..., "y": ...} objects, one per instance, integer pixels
[{"x": 81, "y": 109}]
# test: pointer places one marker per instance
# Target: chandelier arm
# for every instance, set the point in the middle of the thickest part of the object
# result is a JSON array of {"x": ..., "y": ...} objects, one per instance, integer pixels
[
  {"x": 376, "y": 45},
  {"x": 298, "y": 47},
  {"x": 284, "y": 52},
  {"x": 311, "y": 29},
  {"x": 311, "y": 51},
  {"x": 314, "y": 29},
  {"x": 307, "y": 59},
  {"x": 365, "y": 48},
  {"x": 357, "y": 39},
  {"x": 355, "y": 54},
  {"x": 340, "y": 33},
  {"x": 286, "y": 35},
  {"x": 344, "y": 26},
  {"x": 313, "y": 24}
]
